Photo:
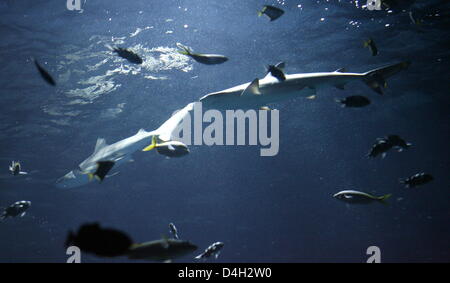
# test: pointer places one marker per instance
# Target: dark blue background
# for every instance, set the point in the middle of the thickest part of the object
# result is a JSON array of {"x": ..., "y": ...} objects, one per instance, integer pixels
[{"x": 265, "y": 209}]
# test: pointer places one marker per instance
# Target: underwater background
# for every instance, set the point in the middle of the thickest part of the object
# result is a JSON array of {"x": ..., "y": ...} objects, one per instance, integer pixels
[{"x": 265, "y": 209}]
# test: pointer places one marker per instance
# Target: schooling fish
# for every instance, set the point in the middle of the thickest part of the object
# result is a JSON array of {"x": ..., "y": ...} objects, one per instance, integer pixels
[
  {"x": 44, "y": 74},
  {"x": 92, "y": 238},
  {"x": 208, "y": 59},
  {"x": 398, "y": 142},
  {"x": 212, "y": 250},
  {"x": 15, "y": 209},
  {"x": 382, "y": 146},
  {"x": 272, "y": 12},
  {"x": 371, "y": 45},
  {"x": 16, "y": 169},
  {"x": 354, "y": 101},
  {"x": 126, "y": 54},
  {"x": 417, "y": 180},
  {"x": 173, "y": 230},
  {"x": 358, "y": 197}
]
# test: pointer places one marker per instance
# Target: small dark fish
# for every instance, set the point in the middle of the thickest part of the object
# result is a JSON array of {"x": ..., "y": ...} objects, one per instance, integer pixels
[
  {"x": 91, "y": 238},
  {"x": 380, "y": 147},
  {"x": 357, "y": 197},
  {"x": 272, "y": 12},
  {"x": 213, "y": 249},
  {"x": 127, "y": 54},
  {"x": 208, "y": 59},
  {"x": 371, "y": 45},
  {"x": 354, "y": 101},
  {"x": 161, "y": 250},
  {"x": 397, "y": 141},
  {"x": 103, "y": 167},
  {"x": 417, "y": 180},
  {"x": 277, "y": 72},
  {"x": 15, "y": 209},
  {"x": 44, "y": 74},
  {"x": 173, "y": 230},
  {"x": 16, "y": 169}
]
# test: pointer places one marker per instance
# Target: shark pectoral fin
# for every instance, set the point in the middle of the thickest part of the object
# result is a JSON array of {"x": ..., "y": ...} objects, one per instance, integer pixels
[
  {"x": 252, "y": 88},
  {"x": 152, "y": 146}
]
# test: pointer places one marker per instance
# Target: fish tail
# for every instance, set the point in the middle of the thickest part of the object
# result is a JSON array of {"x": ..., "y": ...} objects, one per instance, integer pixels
[
  {"x": 200, "y": 256},
  {"x": 261, "y": 12},
  {"x": 152, "y": 145},
  {"x": 385, "y": 197},
  {"x": 376, "y": 79},
  {"x": 185, "y": 50},
  {"x": 404, "y": 182}
]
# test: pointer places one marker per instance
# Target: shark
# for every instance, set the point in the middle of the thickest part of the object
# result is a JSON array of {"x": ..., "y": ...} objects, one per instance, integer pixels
[
  {"x": 122, "y": 151},
  {"x": 271, "y": 89}
]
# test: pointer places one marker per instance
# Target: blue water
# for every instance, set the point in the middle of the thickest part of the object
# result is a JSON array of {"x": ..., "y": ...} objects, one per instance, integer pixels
[{"x": 265, "y": 209}]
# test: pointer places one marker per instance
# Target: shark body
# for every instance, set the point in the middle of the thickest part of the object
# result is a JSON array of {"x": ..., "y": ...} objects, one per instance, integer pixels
[
  {"x": 270, "y": 89},
  {"x": 121, "y": 151}
]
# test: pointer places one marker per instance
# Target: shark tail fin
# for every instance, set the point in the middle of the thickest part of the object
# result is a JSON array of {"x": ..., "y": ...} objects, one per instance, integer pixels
[
  {"x": 376, "y": 79},
  {"x": 152, "y": 145}
]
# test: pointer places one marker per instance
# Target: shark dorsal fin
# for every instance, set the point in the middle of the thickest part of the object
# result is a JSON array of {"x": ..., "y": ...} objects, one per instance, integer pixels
[
  {"x": 101, "y": 143},
  {"x": 252, "y": 88},
  {"x": 341, "y": 70},
  {"x": 281, "y": 65},
  {"x": 141, "y": 131}
]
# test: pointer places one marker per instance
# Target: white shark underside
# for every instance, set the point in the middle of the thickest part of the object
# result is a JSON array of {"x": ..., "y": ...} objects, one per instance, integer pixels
[
  {"x": 270, "y": 90},
  {"x": 121, "y": 151}
]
